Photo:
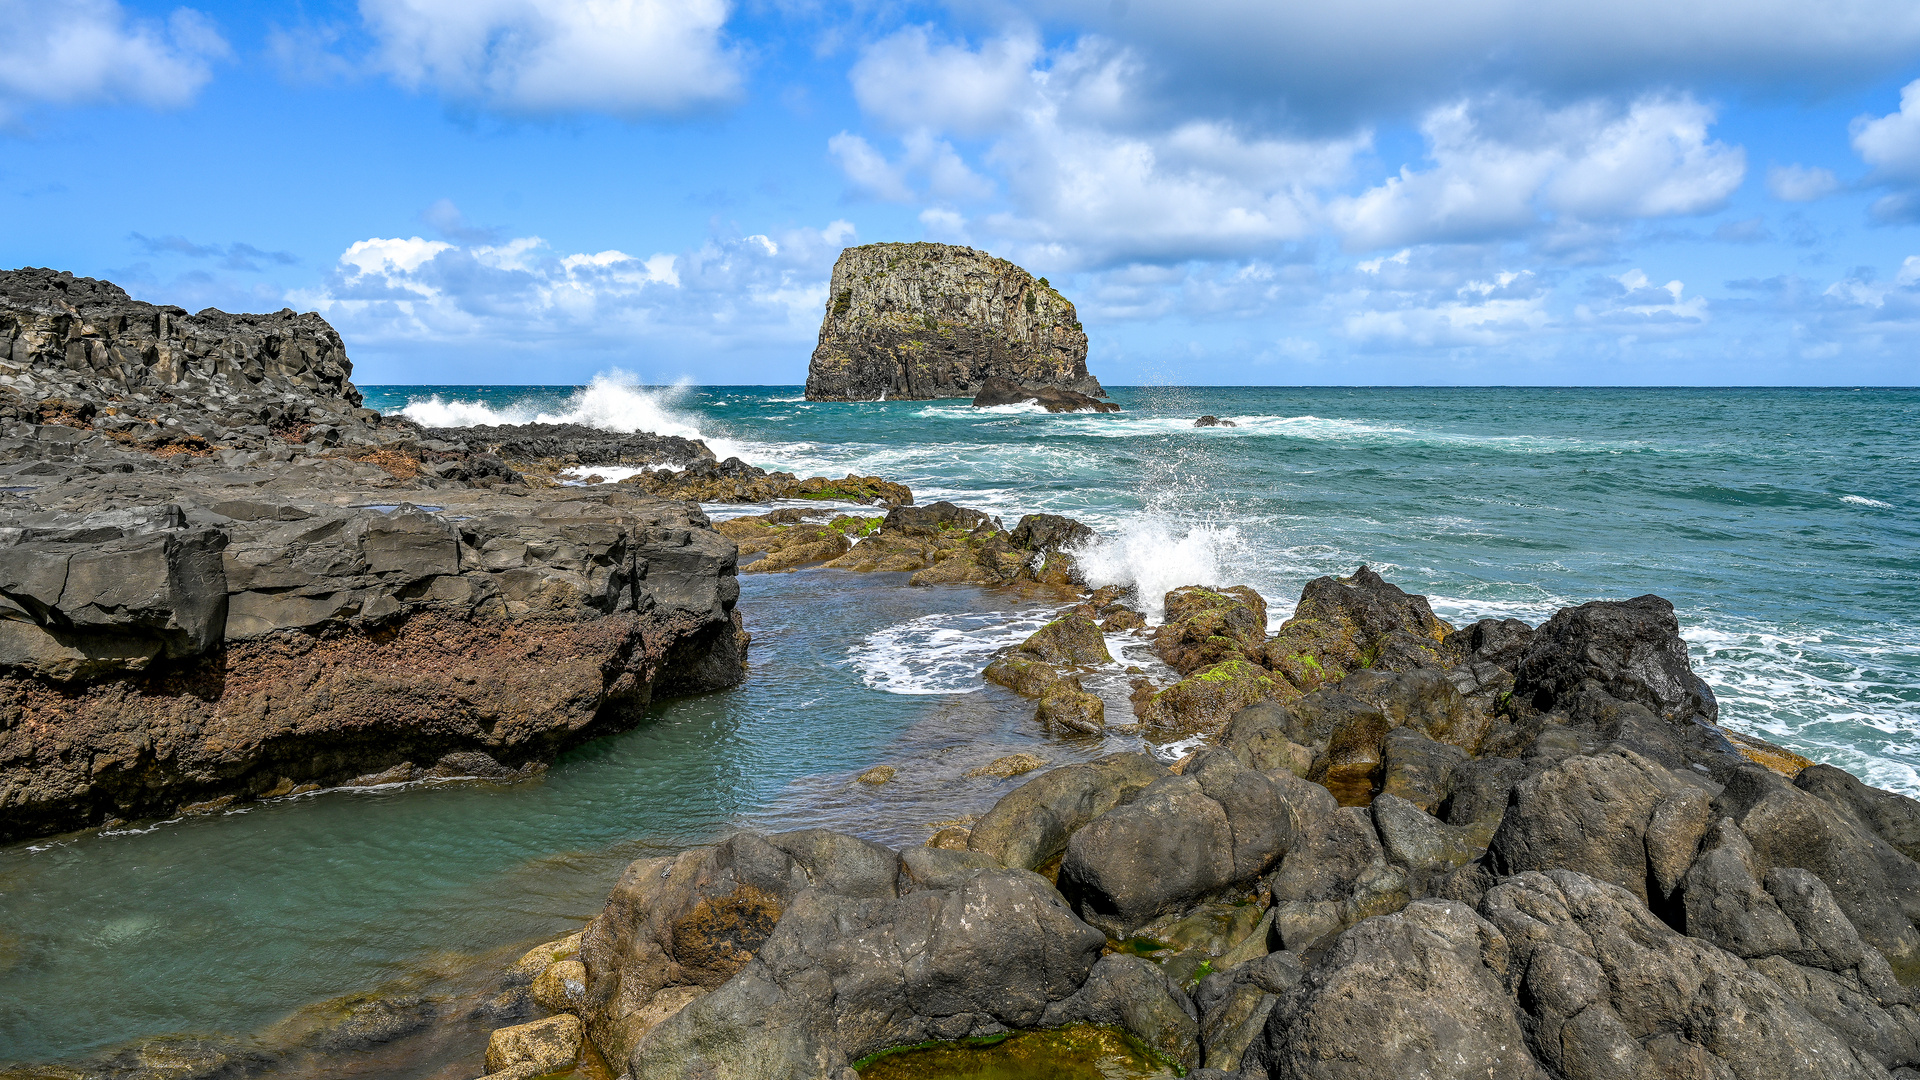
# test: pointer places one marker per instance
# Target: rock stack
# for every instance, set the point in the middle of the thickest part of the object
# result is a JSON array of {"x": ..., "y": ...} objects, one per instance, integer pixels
[{"x": 935, "y": 321}]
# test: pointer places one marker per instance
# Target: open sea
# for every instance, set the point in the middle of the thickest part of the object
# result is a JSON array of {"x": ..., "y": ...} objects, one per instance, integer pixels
[{"x": 1784, "y": 525}]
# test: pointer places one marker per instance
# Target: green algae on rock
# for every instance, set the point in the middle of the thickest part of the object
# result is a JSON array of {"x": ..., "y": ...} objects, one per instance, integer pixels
[{"x": 1077, "y": 1052}]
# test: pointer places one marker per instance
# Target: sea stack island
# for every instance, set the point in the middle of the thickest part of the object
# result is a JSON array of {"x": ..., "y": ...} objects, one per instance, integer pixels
[{"x": 1149, "y": 832}]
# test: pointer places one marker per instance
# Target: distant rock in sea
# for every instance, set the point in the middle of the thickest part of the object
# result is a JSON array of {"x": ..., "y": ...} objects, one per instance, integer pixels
[{"x": 924, "y": 321}]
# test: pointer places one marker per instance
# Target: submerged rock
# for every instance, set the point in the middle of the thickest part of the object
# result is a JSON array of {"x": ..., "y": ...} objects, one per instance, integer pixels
[{"x": 936, "y": 321}]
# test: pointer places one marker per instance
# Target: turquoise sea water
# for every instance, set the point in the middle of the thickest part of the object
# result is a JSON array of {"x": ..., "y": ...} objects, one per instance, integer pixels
[{"x": 1784, "y": 525}]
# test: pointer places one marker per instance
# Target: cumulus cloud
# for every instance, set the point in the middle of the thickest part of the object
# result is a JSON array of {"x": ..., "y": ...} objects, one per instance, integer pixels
[
  {"x": 1800, "y": 183},
  {"x": 1338, "y": 64},
  {"x": 1085, "y": 183},
  {"x": 407, "y": 289},
  {"x": 1094, "y": 173},
  {"x": 87, "y": 52},
  {"x": 1891, "y": 144},
  {"x": 910, "y": 79},
  {"x": 626, "y": 57},
  {"x": 1501, "y": 168}
]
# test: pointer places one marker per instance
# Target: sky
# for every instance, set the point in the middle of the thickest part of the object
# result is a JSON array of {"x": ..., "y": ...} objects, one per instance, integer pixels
[{"x": 1368, "y": 192}]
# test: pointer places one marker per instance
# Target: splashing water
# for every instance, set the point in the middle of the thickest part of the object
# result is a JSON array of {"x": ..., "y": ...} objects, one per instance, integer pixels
[
  {"x": 613, "y": 401},
  {"x": 1149, "y": 553}
]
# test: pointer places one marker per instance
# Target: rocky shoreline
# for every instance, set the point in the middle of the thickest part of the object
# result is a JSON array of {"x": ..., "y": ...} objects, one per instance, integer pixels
[
  {"x": 222, "y": 579},
  {"x": 1490, "y": 851},
  {"x": 1393, "y": 847}
]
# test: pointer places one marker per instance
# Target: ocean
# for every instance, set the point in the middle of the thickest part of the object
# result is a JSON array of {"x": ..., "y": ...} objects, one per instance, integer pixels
[{"x": 1784, "y": 525}]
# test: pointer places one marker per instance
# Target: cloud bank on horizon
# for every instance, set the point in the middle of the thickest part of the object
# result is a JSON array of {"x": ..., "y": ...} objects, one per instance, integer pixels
[{"x": 1373, "y": 192}]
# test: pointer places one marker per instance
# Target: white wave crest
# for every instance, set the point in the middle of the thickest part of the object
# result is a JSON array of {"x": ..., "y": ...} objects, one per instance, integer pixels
[
  {"x": 1147, "y": 553},
  {"x": 938, "y": 654},
  {"x": 1862, "y": 500},
  {"x": 613, "y": 401}
]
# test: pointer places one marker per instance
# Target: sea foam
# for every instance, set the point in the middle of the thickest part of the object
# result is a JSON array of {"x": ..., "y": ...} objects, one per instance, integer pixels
[
  {"x": 1151, "y": 554},
  {"x": 613, "y": 401}
]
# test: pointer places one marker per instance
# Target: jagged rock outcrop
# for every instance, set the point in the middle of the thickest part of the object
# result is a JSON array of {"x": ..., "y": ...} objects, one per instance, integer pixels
[
  {"x": 221, "y": 579},
  {"x": 1581, "y": 881},
  {"x": 936, "y": 321}
]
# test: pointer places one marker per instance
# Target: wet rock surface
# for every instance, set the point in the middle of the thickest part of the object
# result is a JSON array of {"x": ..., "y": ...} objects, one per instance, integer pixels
[
  {"x": 937, "y": 321},
  {"x": 222, "y": 579}
]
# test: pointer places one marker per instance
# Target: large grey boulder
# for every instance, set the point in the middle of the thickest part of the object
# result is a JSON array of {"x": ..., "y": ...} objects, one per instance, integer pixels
[
  {"x": 841, "y": 978},
  {"x": 1611, "y": 991},
  {"x": 1184, "y": 840},
  {"x": 1421, "y": 993},
  {"x": 1873, "y": 883},
  {"x": 1134, "y": 994},
  {"x": 1028, "y": 828},
  {"x": 1594, "y": 812}
]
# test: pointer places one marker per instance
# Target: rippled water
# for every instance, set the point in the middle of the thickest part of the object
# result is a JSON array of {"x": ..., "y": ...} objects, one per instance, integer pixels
[{"x": 1785, "y": 526}]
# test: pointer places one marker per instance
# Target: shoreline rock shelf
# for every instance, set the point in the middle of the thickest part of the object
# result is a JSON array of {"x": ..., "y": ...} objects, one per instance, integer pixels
[
  {"x": 221, "y": 579},
  {"x": 1551, "y": 864}
]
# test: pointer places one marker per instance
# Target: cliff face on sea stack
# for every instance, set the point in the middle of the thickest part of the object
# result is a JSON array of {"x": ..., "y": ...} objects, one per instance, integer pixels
[
  {"x": 937, "y": 321},
  {"x": 221, "y": 578}
]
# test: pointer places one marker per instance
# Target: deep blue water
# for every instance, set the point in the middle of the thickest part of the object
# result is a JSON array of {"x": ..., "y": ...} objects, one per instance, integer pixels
[{"x": 1783, "y": 524}]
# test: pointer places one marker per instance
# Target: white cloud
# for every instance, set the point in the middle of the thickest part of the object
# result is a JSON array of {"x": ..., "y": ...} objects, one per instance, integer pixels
[
  {"x": 1502, "y": 168},
  {"x": 626, "y": 57},
  {"x": 87, "y": 52},
  {"x": 734, "y": 290},
  {"x": 1801, "y": 183},
  {"x": 1891, "y": 143},
  {"x": 1407, "y": 302},
  {"x": 1340, "y": 63},
  {"x": 1084, "y": 183},
  {"x": 909, "y": 80},
  {"x": 868, "y": 169}
]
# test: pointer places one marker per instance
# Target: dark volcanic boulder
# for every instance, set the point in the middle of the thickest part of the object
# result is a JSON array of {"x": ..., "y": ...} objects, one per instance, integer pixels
[
  {"x": 1344, "y": 624},
  {"x": 1630, "y": 649},
  {"x": 1183, "y": 840},
  {"x": 1029, "y": 826},
  {"x": 576, "y": 444},
  {"x": 1609, "y": 990},
  {"x": 679, "y": 926},
  {"x": 999, "y": 391},
  {"x": 841, "y": 978},
  {"x": 1204, "y": 627},
  {"x": 935, "y": 321},
  {"x": 1421, "y": 993}
]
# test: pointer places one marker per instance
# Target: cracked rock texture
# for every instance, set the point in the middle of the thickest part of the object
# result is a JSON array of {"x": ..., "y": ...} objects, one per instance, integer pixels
[{"x": 937, "y": 321}]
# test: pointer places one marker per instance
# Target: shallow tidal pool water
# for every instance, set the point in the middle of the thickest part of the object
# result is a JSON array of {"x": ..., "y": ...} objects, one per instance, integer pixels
[
  {"x": 227, "y": 924},
  {"x": 1078, "y": 1052}
]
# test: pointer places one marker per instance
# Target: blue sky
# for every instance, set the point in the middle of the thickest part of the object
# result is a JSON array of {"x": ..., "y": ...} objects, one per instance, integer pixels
[{"x": 1370, "y": 192}]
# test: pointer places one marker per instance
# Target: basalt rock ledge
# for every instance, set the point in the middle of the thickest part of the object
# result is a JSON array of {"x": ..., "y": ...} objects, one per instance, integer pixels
[{"x": 221, "y": 578}]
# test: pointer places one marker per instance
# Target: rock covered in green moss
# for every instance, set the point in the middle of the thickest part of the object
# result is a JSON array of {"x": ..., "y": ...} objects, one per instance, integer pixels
[{"x": 1204, "y": 626}]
